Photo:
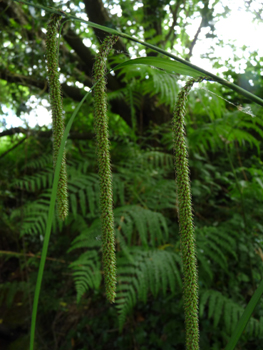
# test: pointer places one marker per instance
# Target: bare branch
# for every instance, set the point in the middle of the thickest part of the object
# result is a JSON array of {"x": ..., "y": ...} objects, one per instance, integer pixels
[
  {"x": 98, "y": 14},
  {"x": 195, "y": 39},
  {"x": 175, "y": 17},
  {"x": 45, "y": 134},
  {"x": 12, "y": 148},
  {"x": 117, "y": 106}
]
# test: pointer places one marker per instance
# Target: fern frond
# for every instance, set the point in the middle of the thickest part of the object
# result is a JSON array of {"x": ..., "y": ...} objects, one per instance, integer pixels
[
  {"x": 156, "y": 160},
  {"x": 133, "y": 96},
  {"x": 34, "y": 216},
  {"x": 87, "y": 272},
  {"x": 76, "y": 166},
  {"x": 89, "y": 236},
  {"x": 150, "y": 271},
  {"x": 118, "y": 94},
  {"x": 214, "y": 245},
  {"x": 149, "y": 225},
  {"x": 42, "y": 162},
  {"x": 84, "y": 189},
  {"x": 33, "y": 183},
  {"x": 232, "y": 127},
  {"x": 8, "y": 290},
  {"x": 163, "y": 85},
  {"x": 151, "y": 81},
  {"x": 84, "y": 192},
  {"x": 222, "y": 308},
  {"x": 160, "y": 195},
  {"x": 119, "y": 189}
]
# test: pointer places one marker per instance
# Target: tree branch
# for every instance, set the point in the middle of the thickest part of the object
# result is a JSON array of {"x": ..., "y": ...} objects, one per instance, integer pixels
[
  {"x": 98, "y": 14},
  {"x": 195, "y": 39},
  {"x": 83, "y": 52},
  {"x": 12, "y": 148},
  {"x": 117, "y": 106},
  {"x": 175, "y": 16},
  {"x": 45, "y": 134}
]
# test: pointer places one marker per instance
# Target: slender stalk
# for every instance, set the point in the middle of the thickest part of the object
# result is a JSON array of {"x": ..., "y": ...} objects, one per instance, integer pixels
[{"x": 186, "y": 227}]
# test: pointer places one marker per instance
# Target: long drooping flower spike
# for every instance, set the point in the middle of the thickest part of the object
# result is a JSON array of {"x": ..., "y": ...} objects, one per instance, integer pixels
[
  {"x": 105, "y": 175},
  {"x": 56, "y": 106},
  {"x": 186, "y": 227}
]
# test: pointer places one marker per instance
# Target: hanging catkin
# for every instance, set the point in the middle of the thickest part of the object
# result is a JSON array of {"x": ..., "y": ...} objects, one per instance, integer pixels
[
  {"x": 105, "y": 175},
  {"x": 186, "y": 227},
  {"x": 56, "y": 107}
]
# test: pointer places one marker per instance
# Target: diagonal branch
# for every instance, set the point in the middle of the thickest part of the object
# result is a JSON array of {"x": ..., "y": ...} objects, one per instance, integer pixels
[
  {"x": 82, "y": 51},
  {"x": 195, "y": 39},
  {"x": 45, "y": 134},
  {"x": 175, "y": 17},
  {"x": 98, "y": 14},
  {"x": 12, "y": 148},
  {"x": 117, "y": 106}
]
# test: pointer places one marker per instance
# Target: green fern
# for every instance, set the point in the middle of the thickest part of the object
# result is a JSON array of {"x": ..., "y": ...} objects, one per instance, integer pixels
[
  {"x": 160, "y": 195},
  {"x": 235, "y": 126},
  {"x": 133, "y": 97},
  {"x": 154, "y": 160},
  {"x": 149, "y": 81},
  {"x": 118, "y": 94},
  {"x": 83, "y": 194},
  {"x": 163, "y": 85},
  {"x": 150, "y": 271},
  {"x": 36, "y": 182},
  {"x": 34, "y": 216},
  {"x": 87, "y": 268},
  {"x": 85, "y": 190},
  {"x": 89, "y": 236},
  {"x": 8, "y": 291},
  {"x": 42, "y": 162},
  {"x": 81, "y": 166},
  {"x": 215, "y": 245},
  {"x": 223, "y": 309},
  {"x": 150, "y": 227},
  {"x": 86, "y": 272},
  {"x": 142, "y": 173}
]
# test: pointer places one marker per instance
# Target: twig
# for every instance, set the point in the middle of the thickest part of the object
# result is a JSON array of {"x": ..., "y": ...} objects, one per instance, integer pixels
[{"x": 5, "y": 252}]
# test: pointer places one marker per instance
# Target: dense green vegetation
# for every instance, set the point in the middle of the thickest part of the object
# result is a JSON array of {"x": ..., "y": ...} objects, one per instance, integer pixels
[{"x": 225, "y": 157}]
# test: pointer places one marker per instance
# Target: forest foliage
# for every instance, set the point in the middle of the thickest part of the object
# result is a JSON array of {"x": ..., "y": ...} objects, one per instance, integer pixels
[{"x": 224, "y": 137}]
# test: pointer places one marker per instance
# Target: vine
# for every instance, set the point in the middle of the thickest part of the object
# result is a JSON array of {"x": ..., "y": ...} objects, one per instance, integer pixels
[
  {"x": 56, "y": 107},
  {"x": 105, "y": 175}
]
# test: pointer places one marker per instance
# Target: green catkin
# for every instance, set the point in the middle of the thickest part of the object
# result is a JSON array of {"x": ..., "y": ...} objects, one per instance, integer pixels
[
  {"x": 105, "y": 175},
  {"x": 56, "y": 106},
  {"x": 186, "y": 227}
]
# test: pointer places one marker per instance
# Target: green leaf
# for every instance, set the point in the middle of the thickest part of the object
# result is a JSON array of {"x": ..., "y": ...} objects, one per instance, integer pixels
[
  {"x": 245, "y": 317},
  {"x": 169, "y": 66}
]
